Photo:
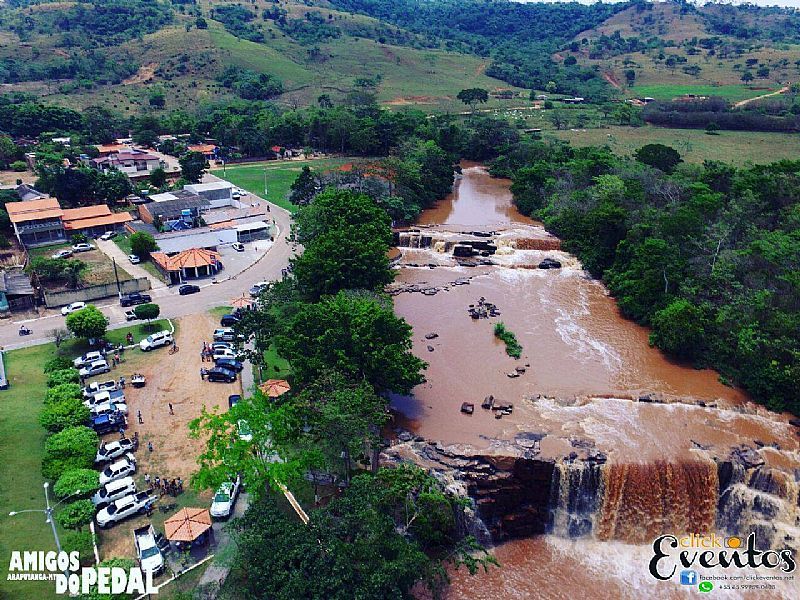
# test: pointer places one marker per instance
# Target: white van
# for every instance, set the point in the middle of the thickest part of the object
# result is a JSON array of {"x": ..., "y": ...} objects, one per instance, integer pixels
[
  {"x": 114, "y": 491},
  {"x": 162, "y": 338}
]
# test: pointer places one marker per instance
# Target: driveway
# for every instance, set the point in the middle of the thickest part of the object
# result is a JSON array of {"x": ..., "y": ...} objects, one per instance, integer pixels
[{"x": 172, "y": 305}]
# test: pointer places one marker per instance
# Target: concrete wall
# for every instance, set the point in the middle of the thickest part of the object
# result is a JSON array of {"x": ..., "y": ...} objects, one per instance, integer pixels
[{"x": 95, "y": 292}]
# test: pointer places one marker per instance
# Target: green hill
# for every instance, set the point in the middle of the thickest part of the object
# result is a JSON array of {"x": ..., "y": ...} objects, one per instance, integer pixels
[{"x": 173, "y": 55}]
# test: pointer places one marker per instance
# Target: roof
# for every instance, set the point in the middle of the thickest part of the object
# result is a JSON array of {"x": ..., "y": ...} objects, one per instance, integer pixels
[
  {"x": 207, "y": 187},
  {"x": 112, "y": 148},
  {"x": 27, "y": 193},
  {"x": 112, "y": 219},
  {"x": 163, "y": 197},
  {"x": 252, "y": 225},
  {"x": 191, "y": 258},
  {"x": 187, "y": 524},
  {"x": 86, "y": 212},
  {"x": 174, "y": 207},
  {"x": 16, "y": 283},
  {"x": 33, "y": 210},
  {"x": 204, "y": 148},
  {"x": 178, "y": 241}
]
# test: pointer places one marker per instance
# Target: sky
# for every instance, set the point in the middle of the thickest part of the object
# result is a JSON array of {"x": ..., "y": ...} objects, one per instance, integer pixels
[{"x": 792, "y": 3}]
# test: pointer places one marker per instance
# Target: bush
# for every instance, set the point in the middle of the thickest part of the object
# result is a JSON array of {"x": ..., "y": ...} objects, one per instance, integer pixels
[
  {"x": 76, "y": 514},
  {"x": 88, "y": 323},
  {"x": 19, "y": 166},
  {"x": 81, "y": 542},
  {"x": 63, "y": 376},
  {"x": 147, "y": 311},
  {"x": 513, "y": 347},
  {"x": 57, "y": 416},
  {"x": 62, "y": 392},
  {"x": 142, "y": 244},
  {"x": 72, "y": 448},
  {"x": 57, "y": 363},
  {"x": 87, "y": 481}
]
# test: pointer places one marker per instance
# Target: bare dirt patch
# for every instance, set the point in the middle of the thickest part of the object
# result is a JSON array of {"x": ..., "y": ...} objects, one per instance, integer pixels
[
  {"x": 611, "y": 78},
  {"x": 407, "y": 100},
  {"x": 171, "y": 378},
  {"x": 143, "y": 75}
]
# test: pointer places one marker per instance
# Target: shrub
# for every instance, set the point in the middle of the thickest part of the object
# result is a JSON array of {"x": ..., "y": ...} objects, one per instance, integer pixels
[
  {"x": 19, "y": 166},
  {"x": 513, "y": 347},
  {"x": 57, "y": 363},
  {"x": 76, "y": 514},
  {"x": 88, "y": 323},
  {"x": 62, "y": 392},
  {"x": 81, "y": 542},
  {"x": 72, "y": 448},
  {"x": 84, "y": 480},
  {"x": 67, "y": 413},
  {"x": 63, "y": 376}
]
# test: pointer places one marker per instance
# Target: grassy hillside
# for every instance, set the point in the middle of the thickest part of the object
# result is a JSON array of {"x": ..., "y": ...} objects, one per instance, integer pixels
[
  {"x": 676, "y": 50},
  {"x": 184, "y": 61}
]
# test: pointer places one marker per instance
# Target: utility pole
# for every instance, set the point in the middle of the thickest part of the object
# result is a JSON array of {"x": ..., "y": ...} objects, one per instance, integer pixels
[
  {"x": 265, "y": 183},
  {"x": 116, "y": 276}
]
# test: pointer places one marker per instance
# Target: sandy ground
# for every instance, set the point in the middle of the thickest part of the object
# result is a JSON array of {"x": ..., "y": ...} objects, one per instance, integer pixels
[{"x": 171, "y": 378}]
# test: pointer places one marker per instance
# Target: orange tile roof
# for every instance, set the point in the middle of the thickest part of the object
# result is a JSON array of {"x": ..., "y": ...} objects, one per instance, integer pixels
[
  {"x": 112, "y": 219},
  {"x": 108, "y": 148},
  {"x": 204, "y": 148},
  {"x": 191, "y": 258},
  {"x": 46, "y": 208},
  {"x": 86, "y": 212}
]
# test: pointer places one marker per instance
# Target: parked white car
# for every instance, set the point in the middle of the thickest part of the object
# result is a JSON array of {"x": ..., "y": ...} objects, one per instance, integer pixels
[
  {"x": 147, "y": 550},
  {"x": 65, "y": 253},
  {"x": 71, "y": 308},
  {"x": 156, "y": 340},
  {"x": 94, "y": 388},
  {"x": 96, "y": 368},
  {"x": 112, "y": 450},
  {"x": 82, "y": 247},
  {"x": 88, "y": 359},
  {"x": 223, "y": 353},
  {"x": 226, "y": 334},
  {"x": 225, "y": 498},
  {"x": 106, "y": 408},
  {"x": 135, "y": 260},
  {"x": 117, "y": 470},
  {"x": 123, "y": 508},
  {"x": 108, "y": 235},
  {"x": 114, "y": 490}
]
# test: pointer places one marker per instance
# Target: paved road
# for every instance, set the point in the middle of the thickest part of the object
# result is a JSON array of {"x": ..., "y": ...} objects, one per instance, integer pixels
[{"x": 172, "y": 305}]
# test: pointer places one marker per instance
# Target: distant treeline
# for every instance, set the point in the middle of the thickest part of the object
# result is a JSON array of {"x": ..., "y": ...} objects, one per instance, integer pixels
[{"x": 700, "y": 114}]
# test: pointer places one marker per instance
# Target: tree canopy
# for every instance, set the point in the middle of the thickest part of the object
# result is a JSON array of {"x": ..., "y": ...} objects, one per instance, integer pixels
[{"x": 87, "y": 322}]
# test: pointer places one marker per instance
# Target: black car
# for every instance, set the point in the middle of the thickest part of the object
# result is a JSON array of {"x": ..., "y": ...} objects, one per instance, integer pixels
[
  {"x": 233, "y": 400},
  {"x": 134, "y": 299},
  {"x": 228, "y": 320},
  {"x": 221, "y": 374},
  {"x": 229, "y": 363},
  {"x": 187, "y": 289}
]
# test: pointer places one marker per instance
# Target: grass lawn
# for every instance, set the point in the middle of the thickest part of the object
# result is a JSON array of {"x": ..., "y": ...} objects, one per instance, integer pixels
[
  {"x": 280, "y": 176},
  {"x": 123, "y": 242},
  {"x": 21, "y": 446},
  {"x": 665, "y": 91},
  {"x": 694, "y": 145},
  {"x": 100, "y": 268}
]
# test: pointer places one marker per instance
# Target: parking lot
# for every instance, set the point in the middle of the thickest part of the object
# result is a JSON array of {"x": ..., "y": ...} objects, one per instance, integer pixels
[{"x": 175, "y": 379}]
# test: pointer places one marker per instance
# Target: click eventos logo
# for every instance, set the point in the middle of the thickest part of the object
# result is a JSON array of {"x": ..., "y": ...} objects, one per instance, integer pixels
[
  {"x": 64, "y": 568},
  {"x": 711, "y": 551}
]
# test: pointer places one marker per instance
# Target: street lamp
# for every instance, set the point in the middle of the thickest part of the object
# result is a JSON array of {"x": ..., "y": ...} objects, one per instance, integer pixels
[{"x": 48, "y": 512}]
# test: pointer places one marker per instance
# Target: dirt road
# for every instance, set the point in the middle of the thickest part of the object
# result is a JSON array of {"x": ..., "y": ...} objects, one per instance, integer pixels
[
  {"x": 171, "y": 378},
  {"x": 741, "y": 103}
]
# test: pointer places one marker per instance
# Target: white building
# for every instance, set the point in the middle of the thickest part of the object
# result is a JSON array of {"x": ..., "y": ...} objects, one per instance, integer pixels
[{"x": 218, "y": 193}]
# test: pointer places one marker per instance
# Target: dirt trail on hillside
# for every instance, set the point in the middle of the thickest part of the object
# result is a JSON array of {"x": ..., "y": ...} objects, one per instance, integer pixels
[
  {"x": 612, "y": 79},
  {"x": 741, "y": 103}
]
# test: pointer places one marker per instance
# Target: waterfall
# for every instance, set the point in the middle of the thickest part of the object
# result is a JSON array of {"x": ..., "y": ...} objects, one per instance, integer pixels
[
  {"x": 633, "y": 503},
  {"x": 763, "y": 501},
  {"x": 575, "y": 496}
]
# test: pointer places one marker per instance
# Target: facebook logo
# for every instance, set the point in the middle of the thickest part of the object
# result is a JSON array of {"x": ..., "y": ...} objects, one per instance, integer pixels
[{"x": 688, "y": 577}]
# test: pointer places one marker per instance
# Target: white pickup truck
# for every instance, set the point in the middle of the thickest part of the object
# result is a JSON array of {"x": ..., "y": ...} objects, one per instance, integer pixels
[
  {"x": 124, "y": 507},
  {"x": 147, "y": 550},
  {"x": 100, "y": 386}
]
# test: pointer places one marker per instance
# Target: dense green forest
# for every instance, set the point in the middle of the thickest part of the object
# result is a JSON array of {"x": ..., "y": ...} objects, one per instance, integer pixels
[{"x": 708, "y": 256}]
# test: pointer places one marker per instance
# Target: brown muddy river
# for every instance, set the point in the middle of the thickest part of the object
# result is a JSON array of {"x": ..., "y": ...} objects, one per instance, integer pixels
[{"x": 585, "y": 368}]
